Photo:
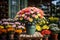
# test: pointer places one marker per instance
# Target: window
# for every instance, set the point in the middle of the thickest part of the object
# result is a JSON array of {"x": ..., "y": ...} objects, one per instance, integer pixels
[{"x": 15, "y": 6}]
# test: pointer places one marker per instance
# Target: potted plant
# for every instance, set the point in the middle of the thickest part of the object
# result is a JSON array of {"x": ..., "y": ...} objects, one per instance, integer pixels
[
  {"x": 44, "y": 30},
  {"x": 3, "y": 32},
  {"x": 10, "y": 32},
  {"x": 30, "y": 16},
  {"x": 53, "y": 19},
  {"x": 46, "y": 33},
  {"x": 55, "y": 30},
  {"x": 17, "y": 33}
]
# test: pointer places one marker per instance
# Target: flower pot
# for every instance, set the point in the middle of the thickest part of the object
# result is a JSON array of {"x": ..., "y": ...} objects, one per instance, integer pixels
[
  {"x": 46, "y": 38},
  {"x": 10, "y": 37},
  {"x": 30, "y": 29},
  {"x": 55, "y": 36},
  {"x": 16, "y": 36}
]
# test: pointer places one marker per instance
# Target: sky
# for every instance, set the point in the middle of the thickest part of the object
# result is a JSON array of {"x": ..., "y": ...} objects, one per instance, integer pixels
[{"x": 54, "y": 2}]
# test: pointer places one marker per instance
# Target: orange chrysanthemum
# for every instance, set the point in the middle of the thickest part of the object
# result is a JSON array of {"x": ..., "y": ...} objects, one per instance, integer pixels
[
  {"x": 10, "y": 29},
  {"x": 4, "y": 30},
  {"x": 18, "y": 31}
]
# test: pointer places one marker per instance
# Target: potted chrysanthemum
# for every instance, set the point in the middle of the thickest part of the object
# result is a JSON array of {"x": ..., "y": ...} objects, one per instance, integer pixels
[
  {"x": 30, "y": 16},
  {"x": 55, "y": 30},
  {"x": 43, "y": 28},
  {"x": 45, "y": 32},
  {"x": 3, "y": 32},
  {"x": 53, "y": 19},
  {"x": 10, "y": 32},
  {"x": 18, "y": 31}
]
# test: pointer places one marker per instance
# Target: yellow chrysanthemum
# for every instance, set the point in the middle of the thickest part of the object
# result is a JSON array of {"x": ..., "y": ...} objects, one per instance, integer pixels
[
  {"x": 23, "y": 15},
  {"x": 39, "y": 14},
  {"x": 38, "y": 28},
  {"x": 54, "y": 19},
  {"x": 42, "y": 22},
  {"x": 8, "y": 26},
  {"x": 36, "y": 16},
  {"x": 45, "y": 27},
  {"x": 51, "y": 18},
  {"x": 21, "y": 18},
  {"x": 1, "y": 26},
  {"x": 16, "y": 16},
  {"x": 30, "y": 19}
]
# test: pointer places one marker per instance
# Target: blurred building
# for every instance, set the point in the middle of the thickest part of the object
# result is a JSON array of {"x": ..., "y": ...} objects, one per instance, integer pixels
[
  {"x": 9, "y": 8},
  {"x": 58, "y": 8}
]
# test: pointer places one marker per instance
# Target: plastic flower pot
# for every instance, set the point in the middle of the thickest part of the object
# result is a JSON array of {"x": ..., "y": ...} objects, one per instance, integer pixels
[{"x": 30, "y": 29}]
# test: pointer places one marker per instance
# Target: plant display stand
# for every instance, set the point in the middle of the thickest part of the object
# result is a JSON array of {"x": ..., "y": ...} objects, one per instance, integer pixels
[{"x": 36, "y": 36}]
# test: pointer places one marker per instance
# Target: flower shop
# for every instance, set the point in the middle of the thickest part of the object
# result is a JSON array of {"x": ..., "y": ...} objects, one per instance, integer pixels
[
  {"x": 31, "y": 22},
  {"x": 28, "y": 21}
]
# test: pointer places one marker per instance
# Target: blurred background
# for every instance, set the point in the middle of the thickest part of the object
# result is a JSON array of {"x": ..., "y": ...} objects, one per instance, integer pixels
[{"x": 9, "y": 8}]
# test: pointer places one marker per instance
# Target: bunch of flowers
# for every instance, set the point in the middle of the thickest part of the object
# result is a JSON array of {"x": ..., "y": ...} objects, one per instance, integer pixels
[
  {"x": 44, "y": 30},
  {"x": 30, "y": 14},
  {"x": 1, "y": 27},
  {"x": 14, "y": 28},
  {"x": 10, "y": 29},
  {"x": 18, "y": 31},
  {"x": 43, "y": 21},
  {"x": 53, "y": 19},
  {"x": 19, "y": 28},
  {"x": 42, "y": 25},
  {"x": 45, "y": 27},
  {"x": 45, "y": 33},
  {"x": 40, "y": 28},
  {"x": 54, "y": 28},
  {"x": 11, "y": 26},
  {"x": 2, "y": 30}
]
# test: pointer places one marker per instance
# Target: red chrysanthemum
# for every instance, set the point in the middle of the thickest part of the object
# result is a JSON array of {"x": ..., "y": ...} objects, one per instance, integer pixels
[{"x": 46, "y": 32}]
